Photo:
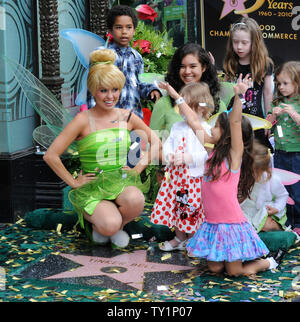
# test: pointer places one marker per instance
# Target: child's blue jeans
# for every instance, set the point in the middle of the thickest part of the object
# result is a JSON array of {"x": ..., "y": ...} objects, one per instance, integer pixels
[{"x": 290, "y": 161}]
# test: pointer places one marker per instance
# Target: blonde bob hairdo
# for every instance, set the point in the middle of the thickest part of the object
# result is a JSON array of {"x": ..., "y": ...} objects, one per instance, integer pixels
[
  {"x": 103, "y": 72},
  {"x": 262, "y": 160},
  {"x": 197, "y": 96}
]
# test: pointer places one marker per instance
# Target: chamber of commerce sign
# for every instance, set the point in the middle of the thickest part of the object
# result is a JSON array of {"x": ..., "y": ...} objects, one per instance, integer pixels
[{"x": 279, "y": 22}]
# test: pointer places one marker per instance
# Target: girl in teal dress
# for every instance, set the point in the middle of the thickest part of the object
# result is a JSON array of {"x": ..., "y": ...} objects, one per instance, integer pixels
[{"x": 107, "y": 194}]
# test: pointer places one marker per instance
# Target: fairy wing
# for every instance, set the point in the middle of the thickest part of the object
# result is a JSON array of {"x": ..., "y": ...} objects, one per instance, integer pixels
[
  {"x": 81, "y": 98},
  {"x": 44, "y": 136},
  {"x": 154, "y": 79},
  {"x": 44, "y": 103},
  {"x": 226, "y": 92},
  {"x": 287, "y": 178},
  {"x": 256, "y": 122},
  {"x": 84, "y": 42}
]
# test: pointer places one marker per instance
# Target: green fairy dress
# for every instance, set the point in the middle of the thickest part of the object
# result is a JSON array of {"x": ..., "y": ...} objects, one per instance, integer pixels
[{"x": 104, "y": 152}]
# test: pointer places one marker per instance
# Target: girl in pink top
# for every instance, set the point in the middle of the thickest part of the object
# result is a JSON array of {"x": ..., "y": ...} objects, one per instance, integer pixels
[{"x": 226, "y": 239}]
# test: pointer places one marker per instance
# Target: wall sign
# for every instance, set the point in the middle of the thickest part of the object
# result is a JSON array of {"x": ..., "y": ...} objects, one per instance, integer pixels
[{"x": 279, "y": 22}]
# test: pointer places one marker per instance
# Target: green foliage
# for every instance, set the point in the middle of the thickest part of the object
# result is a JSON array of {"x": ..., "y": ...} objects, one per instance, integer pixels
[
  {"x": 221, "y": 76},
  {"x": 72, "y": 163},
  {"x": 161, "y": 50},
  {"x": 151, "y": 171}
]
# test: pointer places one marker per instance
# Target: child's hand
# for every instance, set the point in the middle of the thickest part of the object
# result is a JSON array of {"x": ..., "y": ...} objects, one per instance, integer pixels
[
  {"x": 188, "y": 158},
  {"x": 171, "y": 91},
  {"x": 211, "y": 57},
  {"x": 155, "y": 96},
  {"x": 271, "y": 210},
  {"x": 182, "y": 158},
  {"x": 179, "y": 159},
  {"x": 277, "y": 110},
  {"x": 242, "y": 84},
  {"x": 170, "y": 158},
  {"x": 287, "y": 108}
]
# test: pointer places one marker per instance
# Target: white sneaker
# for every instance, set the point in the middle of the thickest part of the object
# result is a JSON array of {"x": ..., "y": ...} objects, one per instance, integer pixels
[
  {"x": 120, "y": 239},
  {"x": 99, "y": 239},
  {"x": 273, "y": 263}
]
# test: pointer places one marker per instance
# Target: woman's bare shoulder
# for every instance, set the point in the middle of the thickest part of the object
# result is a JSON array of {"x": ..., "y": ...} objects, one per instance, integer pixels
[{"x": 81, "y": 118}]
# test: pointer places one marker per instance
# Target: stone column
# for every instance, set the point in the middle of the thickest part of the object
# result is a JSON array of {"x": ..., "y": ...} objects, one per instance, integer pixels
[
  {"x": 48, "y": 186},
  {"x": 191, "y": 13},
  {"x": 50, "y": 55},
  {"x": 98, "y": 13}
]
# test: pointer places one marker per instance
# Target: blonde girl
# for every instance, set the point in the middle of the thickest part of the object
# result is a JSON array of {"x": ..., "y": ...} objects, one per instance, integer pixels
[
  {"x": 265, "y": 209},
  {"x": 179, "y": 203},
  {"x": 285, "y": 115}
]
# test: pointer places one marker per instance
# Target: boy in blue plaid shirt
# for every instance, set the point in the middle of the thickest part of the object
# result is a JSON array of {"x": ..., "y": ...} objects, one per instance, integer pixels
[{"x": 122, "y": 22}]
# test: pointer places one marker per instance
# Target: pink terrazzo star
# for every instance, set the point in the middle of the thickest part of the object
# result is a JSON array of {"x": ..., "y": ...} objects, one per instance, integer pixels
[
  {"x": 231, "y": 5},
  {"x": 135, "y": 265}
]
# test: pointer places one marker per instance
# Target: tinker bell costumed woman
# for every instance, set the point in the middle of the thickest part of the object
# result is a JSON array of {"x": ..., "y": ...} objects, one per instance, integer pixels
[{"x": 107, "y": 194}]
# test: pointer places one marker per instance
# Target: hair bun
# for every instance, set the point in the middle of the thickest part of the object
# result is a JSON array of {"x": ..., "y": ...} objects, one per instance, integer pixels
[{"x": 102, "y": 55}]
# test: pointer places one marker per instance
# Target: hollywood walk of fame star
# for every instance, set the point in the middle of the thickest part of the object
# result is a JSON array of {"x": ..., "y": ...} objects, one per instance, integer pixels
[
  {"x": 230, "y": 5},
  {"x": 127, "y": 268}
]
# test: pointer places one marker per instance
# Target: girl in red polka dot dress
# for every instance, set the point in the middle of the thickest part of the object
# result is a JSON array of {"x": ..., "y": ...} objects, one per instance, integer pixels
[{"x": 179, "y": 203}]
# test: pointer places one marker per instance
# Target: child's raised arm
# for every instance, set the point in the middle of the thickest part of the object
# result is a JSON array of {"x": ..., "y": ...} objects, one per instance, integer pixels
[
  {"x": 235, "y": 118},
  {"x": 191, "y": 116}
]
